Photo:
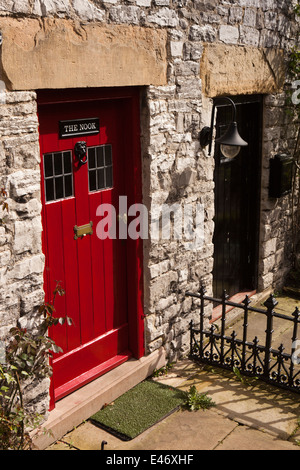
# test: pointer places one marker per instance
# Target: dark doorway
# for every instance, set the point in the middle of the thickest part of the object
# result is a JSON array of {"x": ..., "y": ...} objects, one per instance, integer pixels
[{"x": 237, "y": 200}]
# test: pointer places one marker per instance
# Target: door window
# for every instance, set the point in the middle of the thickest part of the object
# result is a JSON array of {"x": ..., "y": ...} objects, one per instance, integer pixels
[
  {"x": 58, "y": 175},
  {"x": 100, "y": 167}
]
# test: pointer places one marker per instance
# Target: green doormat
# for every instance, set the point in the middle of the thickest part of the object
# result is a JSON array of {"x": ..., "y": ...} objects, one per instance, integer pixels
[{"x": 139, "y": 409}]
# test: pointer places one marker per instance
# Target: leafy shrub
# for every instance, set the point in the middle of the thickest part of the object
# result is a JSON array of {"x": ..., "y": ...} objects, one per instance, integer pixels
[
  {"x": 197, "y": 401},
  {"x": 26, "y": 357}
]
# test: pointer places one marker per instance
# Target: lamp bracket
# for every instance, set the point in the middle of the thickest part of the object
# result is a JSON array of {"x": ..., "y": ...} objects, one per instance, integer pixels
[
  {"x": 205, "y": 136},
  {"x": 206, "y": 133}
]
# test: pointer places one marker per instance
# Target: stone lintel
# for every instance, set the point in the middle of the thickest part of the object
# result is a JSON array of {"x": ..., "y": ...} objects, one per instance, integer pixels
[
  {"x": 235, "y": 70},
  {"x": 58, "y": 53}
]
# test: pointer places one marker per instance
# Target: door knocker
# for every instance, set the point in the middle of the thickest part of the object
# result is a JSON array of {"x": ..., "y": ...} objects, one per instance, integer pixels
[{"x": 80, "y": 150}]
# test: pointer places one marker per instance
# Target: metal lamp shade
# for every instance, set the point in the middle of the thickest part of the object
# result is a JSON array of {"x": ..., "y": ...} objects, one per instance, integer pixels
[
  {"x": 231, "y": 142},
  {"x": 232, "y": 137}
]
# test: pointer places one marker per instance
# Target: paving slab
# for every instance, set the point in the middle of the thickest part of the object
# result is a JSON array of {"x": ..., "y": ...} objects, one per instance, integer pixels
[
  {"x": 257, "y": 323},
  {"x": 261, "y": 406},
  {"x": 87, "y": 436},
  {"x": 245, "y": 438},
  {"x": 183, "y": 430},
  {"x": 178, "y": 373}
]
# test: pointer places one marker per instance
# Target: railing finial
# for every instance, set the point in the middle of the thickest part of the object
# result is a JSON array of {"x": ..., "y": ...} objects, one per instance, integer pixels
[
  {"x": 271, "y": 302},
  {"x": 202, "y": 290}
]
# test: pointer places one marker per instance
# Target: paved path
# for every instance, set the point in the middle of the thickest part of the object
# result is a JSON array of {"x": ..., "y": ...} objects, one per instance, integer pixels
[{"x": 246, "y": 417}]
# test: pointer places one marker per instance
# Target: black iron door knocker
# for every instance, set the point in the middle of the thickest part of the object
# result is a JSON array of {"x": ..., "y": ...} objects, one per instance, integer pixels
[{"x": 80, "y": 150}]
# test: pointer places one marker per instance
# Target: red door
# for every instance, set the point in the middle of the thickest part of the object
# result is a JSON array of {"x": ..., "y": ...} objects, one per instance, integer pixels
[{"x": 100, "y": 273}]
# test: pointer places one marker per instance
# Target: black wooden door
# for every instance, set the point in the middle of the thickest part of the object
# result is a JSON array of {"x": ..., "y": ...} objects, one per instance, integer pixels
[{"x": 237, "y": 196}]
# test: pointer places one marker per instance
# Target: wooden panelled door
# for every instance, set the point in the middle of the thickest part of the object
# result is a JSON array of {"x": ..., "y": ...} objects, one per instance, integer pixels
[
  {"x": 102, "y": 277},
  {"x": 237, "y": 201}
]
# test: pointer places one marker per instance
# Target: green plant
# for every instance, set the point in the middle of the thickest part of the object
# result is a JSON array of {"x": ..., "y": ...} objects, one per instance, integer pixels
[
  {"x": 163, "y": 370},
  {"x": 238, "y": 375},
  {"x": 27, "y": 357},
  {"x": 242, "y": 378},
  {"x": 197, "y": 401},
  {"x": 294, "y": 433}
]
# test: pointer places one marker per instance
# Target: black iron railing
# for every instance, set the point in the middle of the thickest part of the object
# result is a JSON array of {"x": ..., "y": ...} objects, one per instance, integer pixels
[{"x": 212, "y": 345}]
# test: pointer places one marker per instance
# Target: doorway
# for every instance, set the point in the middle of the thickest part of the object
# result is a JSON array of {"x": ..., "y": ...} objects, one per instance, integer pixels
[
  {"x": 237, "y": 201},
  {"x": 90, "y": 157}
]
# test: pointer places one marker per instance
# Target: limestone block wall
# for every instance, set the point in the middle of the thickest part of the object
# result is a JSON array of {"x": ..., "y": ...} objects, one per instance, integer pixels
[
  {"x": 176, "y": 172},
  {"x": 276, "y": 214},
  {"x": 21, "y": 259},
  {"x": 173, "y": 110}
]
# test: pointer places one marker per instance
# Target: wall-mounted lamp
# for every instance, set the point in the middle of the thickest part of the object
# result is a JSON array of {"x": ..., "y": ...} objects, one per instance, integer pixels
[{"x": 231, "y": 142}]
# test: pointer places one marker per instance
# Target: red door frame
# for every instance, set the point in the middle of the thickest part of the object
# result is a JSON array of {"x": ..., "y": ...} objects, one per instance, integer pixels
[{"x": 130, "y": 100}]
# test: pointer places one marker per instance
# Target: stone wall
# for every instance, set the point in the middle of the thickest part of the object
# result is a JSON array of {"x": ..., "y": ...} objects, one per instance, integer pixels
[
  {"x": 176, "y": 172},
  {"x": 21, "y": 261},
  {"x": 276, "y": 214},
  {"x": 21, "y": 257},
  {"x": 175, "y": 169}
]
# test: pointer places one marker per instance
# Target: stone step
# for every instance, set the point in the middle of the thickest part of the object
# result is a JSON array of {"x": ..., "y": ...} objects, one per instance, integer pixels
[{"x": 72, "y": 410}]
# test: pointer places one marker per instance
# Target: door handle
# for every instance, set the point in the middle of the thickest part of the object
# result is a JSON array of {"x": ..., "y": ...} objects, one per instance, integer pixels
[{"x": 123, "y": 218}]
